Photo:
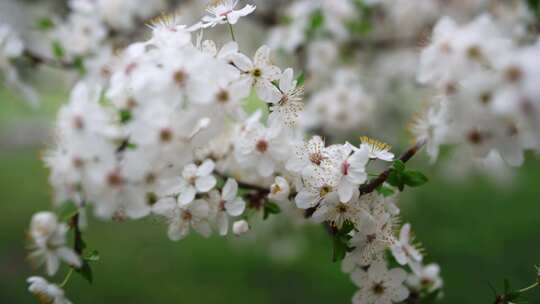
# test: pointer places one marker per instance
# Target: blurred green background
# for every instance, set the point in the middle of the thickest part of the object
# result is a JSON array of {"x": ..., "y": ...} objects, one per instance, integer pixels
[{"x": 479, "y": 232}]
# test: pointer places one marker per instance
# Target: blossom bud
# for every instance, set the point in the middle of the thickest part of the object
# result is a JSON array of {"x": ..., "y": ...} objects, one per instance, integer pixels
[
  {"x": 280, "y": 189},
  {"x": 43, "y": 225},
  {"x": 240, "y": 227}
]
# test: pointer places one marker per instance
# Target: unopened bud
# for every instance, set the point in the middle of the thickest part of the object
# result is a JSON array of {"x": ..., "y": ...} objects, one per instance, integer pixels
[{"x": 240, "y": 227}]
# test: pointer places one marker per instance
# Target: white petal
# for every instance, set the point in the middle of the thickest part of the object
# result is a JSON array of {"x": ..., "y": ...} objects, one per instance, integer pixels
[
  {"x": 164, "y": 206},
  {"x": 205, "y": 183},
  {"x": 262, "y": 56},
  {"x": 305, "y": 199},
  {"x": 187, "y": 196},
  {"x": 206, "y": 168},
  {"x": 53, "y": 263},
  {"x": 69, "y": 256},
  {"x": 222, "y": 222},
  {"x": 345, "y": 191},
  {"x": 242, "y": 62},
  {"x": 229, "y": 190},
  {"x": 236, "y": 207},
  {"x": 177, "y": 231},
  {"x": 285, "y": 83},
  {"x": 200, "y": 209},
  {"x": 267, "y": 92}
]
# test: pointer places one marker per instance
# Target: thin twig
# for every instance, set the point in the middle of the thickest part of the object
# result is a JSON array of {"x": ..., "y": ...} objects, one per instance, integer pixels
[{"x": 38, "y": 59}]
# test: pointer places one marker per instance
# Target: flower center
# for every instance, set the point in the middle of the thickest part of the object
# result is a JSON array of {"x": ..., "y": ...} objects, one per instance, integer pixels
[
  {"x": 114, "y": 179},
  {"x": 325, "y": 190},
  {"x": 378, "y": 288},
  {"x": 180, "y": 77},
  {"x": 187, "y": 216},
  {"x": 257, "y": 72},
  {"x": 223, "y": 96},
  {"x": 345, "y": 168},
  {"x": 165, "y": 135},
  {"x": 262, "y": 145},
  {"x": 316, "y": 158}
]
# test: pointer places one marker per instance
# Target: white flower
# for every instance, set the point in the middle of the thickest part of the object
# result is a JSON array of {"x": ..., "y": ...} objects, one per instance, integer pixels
[
  {"x": 222, "y": 11},
  {"x": 377, "y": 149},
  {"x": 261, "y": 147},
  {"x": 425, "y": 277},
  {"x": 337, "y": 212},
  {"x": 49, "y": 242},
  {"x": 181, "y": 217},
  {"x": 226, "y": 204},
  {"x": 378, "y": 285},
  {"x": 240, "y": 227},
  {"x": 195, "y": 179},
  {"x": 287, "y": 101},
  {"x": 45, "y": 292},
  {"x": 308, "y": 155},
  {"x": 280, "y": 189},
  {"x": 259, "y": 73},
  {"x": 352, "y": 168},
  {"x": 403, "y": 250},
  {"x": 318, "y": 185}
]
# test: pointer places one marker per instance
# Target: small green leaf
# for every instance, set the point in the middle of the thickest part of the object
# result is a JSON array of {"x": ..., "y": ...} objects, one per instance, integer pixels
[
  {"x": 67, "y": 211},
  {"x": 93, "y": 256},
  {"x": 301, "y": 79},
  {"x": 125, "y": 116},
  {"x": 385, "y": 191},
  {"x": 414, "y": 178},
  {"x": 44, "y": 23},
  {"x": 270, "y": 208},
  {"x": 399, "y": 165},
  {"x": 78, "y": 62},
  {"x": 86, "y": 272},
  {"x": 395, "y": 178},
  {"x": 58, "y": 50}
]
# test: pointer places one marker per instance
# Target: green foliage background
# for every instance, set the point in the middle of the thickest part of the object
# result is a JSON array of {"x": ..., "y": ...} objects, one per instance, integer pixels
[{"x": 479, "y": 232}]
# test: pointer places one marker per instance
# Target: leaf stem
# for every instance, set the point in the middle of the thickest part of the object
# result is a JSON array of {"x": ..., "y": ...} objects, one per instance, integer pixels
[
  {"x": 232, "y": 32},
  {"x": 66, "y": 279}
]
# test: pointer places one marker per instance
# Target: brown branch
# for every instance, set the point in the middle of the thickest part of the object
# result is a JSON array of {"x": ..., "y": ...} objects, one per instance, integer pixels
[
  {"x": 78, "y": 244},
  {"x": 40, "y": 60}
]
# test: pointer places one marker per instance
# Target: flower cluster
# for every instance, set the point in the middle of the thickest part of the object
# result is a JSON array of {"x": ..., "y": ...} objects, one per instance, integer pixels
[
  {"x": 488, "y": 100},
  {"x": 11, "y": 48}
]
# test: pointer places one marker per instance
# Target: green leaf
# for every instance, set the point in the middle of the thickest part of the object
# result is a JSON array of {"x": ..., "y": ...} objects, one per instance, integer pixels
[
  {"x": 414, "y": 178},
  {"x": 78, "y": 62},
  {"x": 301, "y": 79},
  {"x": 385, "y": 191},
  {"x": 86, "y": 272},
  {"x": 270, "y": 208},
  {"x": 58, "y": 50},
  {"x": 125, "y": 116},
  {"x": 340, "y": 241},
  {"x": 399, "y": 165},
  {"x": 44, "y": 23},
  {"x": 67, "y": 211},
  {"x": 93, "y": 256},
  {"x": 395, "y": 178},
  {"x": 316, "y": 21}
]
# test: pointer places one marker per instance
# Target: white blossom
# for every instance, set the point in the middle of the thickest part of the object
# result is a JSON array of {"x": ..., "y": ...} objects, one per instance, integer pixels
[
  {"x": 45, "y": 292},
  {"x": 222, "y": 11}
]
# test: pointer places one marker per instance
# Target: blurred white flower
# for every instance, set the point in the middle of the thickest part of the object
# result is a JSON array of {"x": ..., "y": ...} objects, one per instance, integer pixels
[
  {"x": 222, "y": 11},
  {"x": 45, "y": 292}
]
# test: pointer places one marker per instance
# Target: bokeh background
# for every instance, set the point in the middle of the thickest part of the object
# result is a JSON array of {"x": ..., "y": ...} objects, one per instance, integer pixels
[{"x": 479, "y": 231}]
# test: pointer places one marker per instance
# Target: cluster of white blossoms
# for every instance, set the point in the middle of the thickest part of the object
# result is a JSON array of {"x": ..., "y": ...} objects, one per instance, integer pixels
[
  {"x": 334, "y": 117},
  {"x": 169, "y": 135},
  {"x": 488, "y": 96},
  {"x": 88, "y": 25},
  {"x": 11, "y": 48}
]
